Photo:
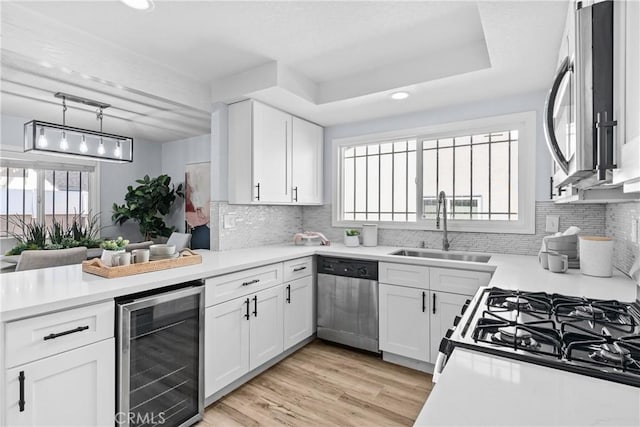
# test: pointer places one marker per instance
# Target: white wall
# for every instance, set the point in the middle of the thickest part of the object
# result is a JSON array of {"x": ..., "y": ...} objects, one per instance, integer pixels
[
  {"x": 513, "y": 104},
  {"x": 114, "y": 177},
  {"x": 177, "y": 154}
]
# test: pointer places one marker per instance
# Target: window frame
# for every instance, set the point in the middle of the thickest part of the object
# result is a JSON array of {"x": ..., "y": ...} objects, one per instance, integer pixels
[
  {"x": 41, "y": 162},
  {"x": 524, "y": 123}
]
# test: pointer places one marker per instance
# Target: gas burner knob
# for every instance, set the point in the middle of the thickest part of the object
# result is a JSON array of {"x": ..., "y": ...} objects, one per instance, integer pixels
[
  {"x": 456, "y": 320},
  {"x": 449, "y": 333},
  {"x": 363, "y": 271}
]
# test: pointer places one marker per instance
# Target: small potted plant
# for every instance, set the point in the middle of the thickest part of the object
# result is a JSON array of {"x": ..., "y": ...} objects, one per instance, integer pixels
[
  {"x": 112, "y": 247},
  {"x": 351, "y": 237}
]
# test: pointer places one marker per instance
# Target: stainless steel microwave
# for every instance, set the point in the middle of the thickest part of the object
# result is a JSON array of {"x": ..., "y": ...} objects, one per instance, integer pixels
[{"x": 578, "y": 112}]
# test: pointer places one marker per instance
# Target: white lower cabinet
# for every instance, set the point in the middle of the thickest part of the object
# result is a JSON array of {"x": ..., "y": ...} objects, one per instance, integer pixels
[
  {"x": 226, "y": 344},
  {"x": 241, "y": 334},
  {"x": 445, "y": 307},
  {"x": 298, "y": 311},
  {"x": 74, "y": 388},
  {"x": 404, "y": 321},
  {"x": 266, "y": 327}
]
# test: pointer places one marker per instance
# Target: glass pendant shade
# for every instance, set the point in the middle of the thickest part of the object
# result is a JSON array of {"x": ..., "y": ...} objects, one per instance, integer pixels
[
  {"x": 42, "y": 140},
  {"x": 77, "y": 142},
  {"x": 64, "y": 144}
]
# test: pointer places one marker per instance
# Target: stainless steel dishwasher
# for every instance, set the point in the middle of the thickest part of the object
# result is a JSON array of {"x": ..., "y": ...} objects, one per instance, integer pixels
[{"x": 348, "y": 302}]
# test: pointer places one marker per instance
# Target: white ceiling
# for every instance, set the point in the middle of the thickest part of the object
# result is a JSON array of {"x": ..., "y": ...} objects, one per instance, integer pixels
[{"x": 336, "y": 62}]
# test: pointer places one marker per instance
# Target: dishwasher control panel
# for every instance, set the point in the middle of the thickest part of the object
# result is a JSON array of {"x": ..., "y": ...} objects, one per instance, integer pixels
[{"x": 347, "y": 267}]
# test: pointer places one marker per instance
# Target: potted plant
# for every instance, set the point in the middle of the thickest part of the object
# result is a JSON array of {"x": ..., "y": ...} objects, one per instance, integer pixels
[
  {"x": 351, "y": 237},
  {"x": 147, "y": 204},
  {"x": 112, "y": 247}
]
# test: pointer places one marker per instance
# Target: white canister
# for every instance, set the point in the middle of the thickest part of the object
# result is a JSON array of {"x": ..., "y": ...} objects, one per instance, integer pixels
[
  {"x": 596, "y": 256},
  {"x": 369, "y": 235}
]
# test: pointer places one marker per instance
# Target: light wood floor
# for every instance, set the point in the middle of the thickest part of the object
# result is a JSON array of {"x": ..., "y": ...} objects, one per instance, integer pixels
[{"x": 322, "y": 384}]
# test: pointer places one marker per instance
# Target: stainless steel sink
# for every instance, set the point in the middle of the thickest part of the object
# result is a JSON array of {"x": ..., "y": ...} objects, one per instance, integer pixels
[{"x": 454, "y": 256}]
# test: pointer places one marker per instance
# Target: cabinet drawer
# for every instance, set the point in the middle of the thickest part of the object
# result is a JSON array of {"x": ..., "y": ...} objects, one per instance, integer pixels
[
  {"x": 415, "y": 276},
  {"x": 298, "y": 268},
  {"x": 463, "y": 282},
  {"x": 42, "y": 336},
  {"x": 223, "y": 288}
]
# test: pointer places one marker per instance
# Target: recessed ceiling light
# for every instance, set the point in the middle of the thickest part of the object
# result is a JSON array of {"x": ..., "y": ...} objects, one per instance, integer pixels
[
  {"x": 139, "y": 4},
  {"x": 400, "y": 95}
]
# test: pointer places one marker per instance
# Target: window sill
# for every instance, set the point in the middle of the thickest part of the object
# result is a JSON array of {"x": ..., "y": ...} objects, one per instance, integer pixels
[{"x": 498, "y": 227}]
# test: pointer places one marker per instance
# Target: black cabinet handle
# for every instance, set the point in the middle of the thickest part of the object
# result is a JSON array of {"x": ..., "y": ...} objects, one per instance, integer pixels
[
  {"x": 250, "y": 282},
  {"x": 247, "y": 303},
  {"x": 300, "y": 268},
  {"x": 295, "y": 197},
  {"x": 255, "y": 306},
  {"x": 289, "y": 294},
  {"x": 21, "y": 401},
  {"x": 551, "y": 187},
  {"x": 424, "y": 301},
  {"x": 434, "y": 303},
  {"x": 70, "y": 331},
  {"x": 258, "y": 187}
]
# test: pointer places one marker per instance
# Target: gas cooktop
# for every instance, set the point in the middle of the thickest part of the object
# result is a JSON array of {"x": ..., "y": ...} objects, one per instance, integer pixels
[{"x": 600, "y": 338}]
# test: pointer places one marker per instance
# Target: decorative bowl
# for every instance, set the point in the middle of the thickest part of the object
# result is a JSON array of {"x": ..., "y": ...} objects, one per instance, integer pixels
[{"x": 162, "y": 250}]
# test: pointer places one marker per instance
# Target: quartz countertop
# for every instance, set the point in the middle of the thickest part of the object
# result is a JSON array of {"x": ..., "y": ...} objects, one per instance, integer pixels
[
  {"x": 28, "y": 293},
  {"x": 477, "y": 389}
]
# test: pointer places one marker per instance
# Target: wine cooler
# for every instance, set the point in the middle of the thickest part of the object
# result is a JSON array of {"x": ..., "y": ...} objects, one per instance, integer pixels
[{"x": 160, "y": 357}]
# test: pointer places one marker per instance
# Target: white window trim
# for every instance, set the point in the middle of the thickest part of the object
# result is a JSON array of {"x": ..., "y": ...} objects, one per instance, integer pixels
[
  {"x": 524, "y": 122},
  {"x": 39, "y": 161}
]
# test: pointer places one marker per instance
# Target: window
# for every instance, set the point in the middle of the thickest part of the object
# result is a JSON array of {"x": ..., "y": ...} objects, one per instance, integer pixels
[
  {"x": 379, "y": 182},
  {"x": 478, "y": 173},
  {"x": 485, "y": 167},
  {"x": 43, "y": 194}
]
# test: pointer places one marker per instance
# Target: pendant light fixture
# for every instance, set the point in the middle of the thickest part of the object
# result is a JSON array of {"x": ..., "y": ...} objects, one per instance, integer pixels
[{"x": 77, "y": 142}]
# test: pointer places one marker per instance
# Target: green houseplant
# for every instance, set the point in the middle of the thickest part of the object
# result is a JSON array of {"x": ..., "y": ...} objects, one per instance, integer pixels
[
  {"x": 351, "y": 237},
  {"x": 147, "y": 204}
]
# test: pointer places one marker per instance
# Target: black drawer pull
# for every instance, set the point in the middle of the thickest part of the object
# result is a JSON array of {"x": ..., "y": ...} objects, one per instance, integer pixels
[
  {"x": 300, "y": 268},
  {"x": 250, "y": 282},
  {"x": 247, "y": 303},
  {"x": 21, "y": 400},
  {"x": 70, "y": 331},
  {"x": 255, "y": 306},
  {"x": 424, "y": 302},
  {"x": 289, "y": 294},
  {"x": 434, "y": 303}
]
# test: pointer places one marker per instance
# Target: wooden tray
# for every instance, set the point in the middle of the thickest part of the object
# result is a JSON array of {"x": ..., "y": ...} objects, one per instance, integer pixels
[{"x": 97, "y": 267}]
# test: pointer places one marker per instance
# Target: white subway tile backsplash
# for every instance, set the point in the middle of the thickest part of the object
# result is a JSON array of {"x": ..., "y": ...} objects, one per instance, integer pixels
[
  {"x": 590, "y": 219},
  {"x": 618, "y": 225},
  {"x": 256, "y": 225}
]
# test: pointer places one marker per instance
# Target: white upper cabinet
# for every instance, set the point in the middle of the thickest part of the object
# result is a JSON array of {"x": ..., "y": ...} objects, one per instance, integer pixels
[
  {"x": 307, "y": 162},
  {"x": 274, "y": 157},
  {"x": 271, "y": 154},
  {"x": 627, "y": 93}
]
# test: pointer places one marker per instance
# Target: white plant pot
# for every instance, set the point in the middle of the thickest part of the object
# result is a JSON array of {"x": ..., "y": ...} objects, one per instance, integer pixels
[
  {"x": 107, "y": 256},
  {"x": 351, "y": 241}
]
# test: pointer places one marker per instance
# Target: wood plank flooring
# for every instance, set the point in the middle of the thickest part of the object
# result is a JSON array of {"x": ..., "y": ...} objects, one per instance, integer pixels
[{"x": 325, "y": 385}]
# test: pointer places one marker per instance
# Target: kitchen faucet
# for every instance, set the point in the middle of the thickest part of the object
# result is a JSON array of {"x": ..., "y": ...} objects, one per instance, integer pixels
[{"x": 442, "y": 201}]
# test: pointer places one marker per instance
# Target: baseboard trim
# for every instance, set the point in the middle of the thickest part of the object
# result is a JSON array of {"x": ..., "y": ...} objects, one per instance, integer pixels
[
  {"x": 250, "y": 375},
  {"x": 407, "y": 362}
]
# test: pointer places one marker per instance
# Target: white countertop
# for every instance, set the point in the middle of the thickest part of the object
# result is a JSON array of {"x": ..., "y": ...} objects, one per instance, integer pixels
[
  {"x": 27, "y": 293},
  {"x": 477, "y": 389}
]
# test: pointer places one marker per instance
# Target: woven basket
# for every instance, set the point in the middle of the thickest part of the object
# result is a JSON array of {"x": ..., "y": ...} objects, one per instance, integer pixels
[{"x": 97, "y": 267}]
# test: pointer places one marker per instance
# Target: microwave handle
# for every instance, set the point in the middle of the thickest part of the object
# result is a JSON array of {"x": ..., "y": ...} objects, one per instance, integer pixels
[
  {"x": 549, "y": 131},
  {"x": 604, "y": 146}
]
